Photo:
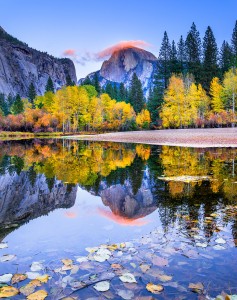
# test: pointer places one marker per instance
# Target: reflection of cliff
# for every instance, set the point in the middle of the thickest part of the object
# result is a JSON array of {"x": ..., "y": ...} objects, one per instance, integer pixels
[
  {"x": 124, "y": 203},
  {"x": 22, "y": 200}
]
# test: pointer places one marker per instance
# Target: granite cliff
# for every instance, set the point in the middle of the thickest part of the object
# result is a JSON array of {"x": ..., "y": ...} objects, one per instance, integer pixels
[{"x": 20, "y": 65}]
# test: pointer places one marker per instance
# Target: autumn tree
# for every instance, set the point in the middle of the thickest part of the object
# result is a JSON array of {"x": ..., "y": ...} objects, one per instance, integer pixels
[
  {"x": 216, "y": 88},
  {"x": 143, "y": 119}
]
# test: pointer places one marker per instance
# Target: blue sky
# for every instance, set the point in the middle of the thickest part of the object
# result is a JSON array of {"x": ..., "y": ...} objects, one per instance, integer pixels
[{"x": 88, "y": 27}]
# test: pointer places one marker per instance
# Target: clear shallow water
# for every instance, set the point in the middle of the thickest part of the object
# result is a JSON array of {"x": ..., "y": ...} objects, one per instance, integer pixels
[{"x": 59, "y": 197}]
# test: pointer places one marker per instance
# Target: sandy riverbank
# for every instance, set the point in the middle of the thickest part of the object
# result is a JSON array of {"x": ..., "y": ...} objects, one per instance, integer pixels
[{"x": 214, "y": 137}]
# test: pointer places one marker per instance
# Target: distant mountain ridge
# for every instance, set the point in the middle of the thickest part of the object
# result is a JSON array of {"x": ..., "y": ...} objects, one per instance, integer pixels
[
  {"x": 123, "y": 64},
  {"x": 20, "y": 65}
]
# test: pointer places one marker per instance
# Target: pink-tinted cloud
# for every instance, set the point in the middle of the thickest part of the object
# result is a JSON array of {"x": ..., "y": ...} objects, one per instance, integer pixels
[
  {"x": 119, "y": 219},
  {"x": 121, "y": 45},
  {"x": 69, "y": 52},
  {"x": 70, "y": 214}
]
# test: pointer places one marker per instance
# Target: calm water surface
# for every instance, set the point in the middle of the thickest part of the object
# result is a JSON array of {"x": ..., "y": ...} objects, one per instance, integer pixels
[{"x": 177, "y": 206}]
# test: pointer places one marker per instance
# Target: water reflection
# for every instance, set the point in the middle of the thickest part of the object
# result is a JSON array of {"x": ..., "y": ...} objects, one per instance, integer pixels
[
  {"x": 59, "y": 197},
  {"x": 132, "y": 180}
]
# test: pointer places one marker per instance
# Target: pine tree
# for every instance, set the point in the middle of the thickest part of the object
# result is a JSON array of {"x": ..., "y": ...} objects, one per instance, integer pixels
[
  {"x": 115, "y": 92},
  {"x": 87, "y": 81},
  {"x": 164, "y": 59},
  {"x": 210, "y": 55},
  {"x": 136, "y": 98},
  {"x": 49, "y": 86},
  {"x": 96, "y": 83},
  {"x": 193, "y": 52},
  {"x": 109, "y": 90},
  {"x": 226, "y": 57},
  {"x": 122, "y": 93},
  {"x": 174, "y": 65},
  {"x": 69, "y": 81},
  {"x": 156, "y": 98},
  {"x": 3, "y": 105},
  {"x": 31, "y": 92},
  {"x": 181, "y": 56},
  {"x": 17, "y": 107},
  {"x": 234, "y": 43}
]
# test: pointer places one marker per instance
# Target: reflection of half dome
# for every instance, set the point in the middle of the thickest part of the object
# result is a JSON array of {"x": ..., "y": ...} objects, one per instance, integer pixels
[{"x": 124, "y": 203}]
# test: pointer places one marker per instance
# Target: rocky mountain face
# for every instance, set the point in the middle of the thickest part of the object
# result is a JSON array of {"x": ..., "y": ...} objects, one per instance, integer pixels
[
  {"x": 123, "y": 63},
  {"x": 20, "y": 65},
  {"x": 22, "y": 201},
  {"x": 124, "y": 203}
]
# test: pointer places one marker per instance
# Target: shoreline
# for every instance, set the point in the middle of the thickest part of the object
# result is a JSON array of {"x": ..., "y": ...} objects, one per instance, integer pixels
[{"x": 196, "y": 138}]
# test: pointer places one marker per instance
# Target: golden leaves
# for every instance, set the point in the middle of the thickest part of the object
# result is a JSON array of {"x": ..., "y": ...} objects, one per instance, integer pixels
[
  {"x": 8, "y": 291},
  {"x": 154, "y": 288}
]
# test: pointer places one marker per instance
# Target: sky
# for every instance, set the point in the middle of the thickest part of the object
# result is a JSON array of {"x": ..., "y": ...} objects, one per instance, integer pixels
[{"x": 84, "y": 29}]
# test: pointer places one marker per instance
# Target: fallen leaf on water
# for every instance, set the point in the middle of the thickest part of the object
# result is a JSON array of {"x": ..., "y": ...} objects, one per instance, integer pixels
[
  {"x": 220, "y": 241},
  {"x": 67, "y": 262},
  {"x": 154, "y": 288},
  {"x": 81, "y": 259},
  {"x": 218, "y": 247},
  {"x": 159, "y": 261},
  {"x": 196, "y": 287},
  {"x": 8, "y": 291},
  {"x": 32, "y": 275},
  {"x": 39, "y": 295},
  {"x": 112, "y": 247},
  {"x": 36, "y": 266},
  {"x": 116, "y": 266},
  {"x": 144, "y": 267},
  {"x": 202, "y": 245},
  {"x": 126, "y": 294},
  {"x": 7, "y": 257},
  {"x": 164, "y": 278},
  {"x": 74, "y": 269},
  {"x": 128, "y": 277},
  {"x": 102, "y": 286},
  {"x": 43, "y": 278},
  {"x": 3, "y": 245},
  {"x": 5, "y": 278},
  {"x": 18, "y": 277},
  {"x": 102, "y": 255}
]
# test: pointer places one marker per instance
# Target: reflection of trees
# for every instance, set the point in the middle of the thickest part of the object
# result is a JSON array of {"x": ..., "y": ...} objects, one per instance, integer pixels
[{"x": 98, "y": 166}]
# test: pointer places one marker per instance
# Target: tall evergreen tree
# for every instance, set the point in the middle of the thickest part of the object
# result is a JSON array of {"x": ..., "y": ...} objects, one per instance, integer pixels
[
  {"x": 226, "y": 57},
  {"x": 96, "y": 83},
  {"x": 3, "y": 105},
  {"x": 31, "y": 92},
  {"x": 109, "y": 89},
  {"x": 156, "y": 98},
  {"x": 69, "y": 81},
  {"x": 136, "y": 98},
  {"x": 122, "y": 93},
  {"x": 174, "y": 65},
  {"x": 87, "y": 81},
  {"x": 164, "y": 59},
  {"x": 115, "y": 92},
  {"x": 210, "y": 56},
  {"x": 49, "y": 86},
  {"x": 18, "y": 106},
  {"x": 234, "y": 43},
  {"x": 193, "y": 52},
  {"x": 181, "y": 56}
]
